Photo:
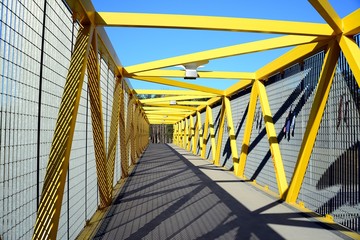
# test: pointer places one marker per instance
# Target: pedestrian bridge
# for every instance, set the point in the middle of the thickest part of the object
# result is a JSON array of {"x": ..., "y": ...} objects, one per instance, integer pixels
[{"x": 83, "y": 154}]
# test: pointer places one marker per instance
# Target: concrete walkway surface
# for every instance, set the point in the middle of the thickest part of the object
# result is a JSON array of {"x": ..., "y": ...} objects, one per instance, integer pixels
[{"x": 173, "y": 194}]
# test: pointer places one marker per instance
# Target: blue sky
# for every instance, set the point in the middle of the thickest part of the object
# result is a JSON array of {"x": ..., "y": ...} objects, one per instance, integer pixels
[{"x": 138, "y": 45}]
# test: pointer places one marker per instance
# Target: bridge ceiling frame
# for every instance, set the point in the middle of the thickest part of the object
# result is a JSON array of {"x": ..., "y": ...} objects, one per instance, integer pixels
[{"x": 306, "y": 38}]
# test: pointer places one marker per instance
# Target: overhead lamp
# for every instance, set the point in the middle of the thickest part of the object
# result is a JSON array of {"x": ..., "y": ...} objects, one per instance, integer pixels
[
  {"x": 172, "y": 102},
  {"x": 191, "y": 69}
]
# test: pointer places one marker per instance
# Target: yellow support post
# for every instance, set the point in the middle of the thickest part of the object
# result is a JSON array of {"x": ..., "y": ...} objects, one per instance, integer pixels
[
  {"x": 192, "y": 132},
  {"x": 247, "y": 134},
  {"x": 188, "y": 134},
  {"x": 231, "y": 130},
  {"x": 200, "y": 131},
  {"x": 212, "y": 132},
  {"x": 220, "y": 134},
  {"x": 113, "y": 136},
  {"x": 196, "y": 133},
  {"x": 205, "y": 134},
  {"x": 48, "y": 214},
  {"x": 98, "y": 125},
  {"x": 272, "y": 137},
  {"x": 115, "y": 114},
  {"x": 316, "y": 113},
  {"x": 133, "y": 132},
  {"x": 183, "y": 130},
  {"x": 128, "y": 128},
  {"x": 123, "y": 135}
]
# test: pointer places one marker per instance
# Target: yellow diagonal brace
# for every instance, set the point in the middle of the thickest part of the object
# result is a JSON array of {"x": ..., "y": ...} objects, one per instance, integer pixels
[
  {"x": 155, "y": 106},
  {"x": 200, "y": 131},
  {"x": 115, "y": 113},
  {"x": 209, "y": 102},
  {"x": 212, "y": 132},
  {"x": 352, "y": 54},
  {"x": 173, "y": 92},
  {"x": 123, "y": 135},
  {"x": 242, "y": 84},
  {"x": 162, "y": 99},
  {"x": 181, "y": 74},
  {"x": 165, "y": 113},
  {"x": 188, "y": 133},
  {"x": 197, "y": 132},
  {"x": 192, "y": 133},
  {"x": 328, "y": 13},
  {"x": 205, "y": 134},
  {"x": 98, "y": 125},
  {"x": 273, "y": 142},
  {"x": 210, "y": 23},
  {"x": 132, "y": 133},
  {"x": 220, "y": 135},
  {"x": 288, "y": 59},
  {"x": 247, "y": 134},
  {"x": 180, "y": 84},
  {"x": 195, "y": 103},
  {"x": 48, "y": 214},
  {"x": 184, "y": 133},
  {"x": 313, "y": 123},
  {"x": 244, "y": 48},
  {"x": 351, "y": 23},
  {"x": 231, "y": 131}
]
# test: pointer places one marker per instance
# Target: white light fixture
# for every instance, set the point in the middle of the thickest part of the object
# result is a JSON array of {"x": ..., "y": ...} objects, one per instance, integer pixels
[
  {"x": 172, "y": 102},
  {"x": 191, "y": 69}
]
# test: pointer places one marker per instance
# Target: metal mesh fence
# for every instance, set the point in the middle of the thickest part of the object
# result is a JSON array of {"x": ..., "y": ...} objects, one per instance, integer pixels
[{"x": 36, "y": 41}]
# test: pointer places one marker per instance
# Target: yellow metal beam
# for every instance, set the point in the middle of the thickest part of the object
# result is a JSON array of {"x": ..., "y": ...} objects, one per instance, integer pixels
[
  {"x": 168, "y": 107},
  {"x": 247, "y": 134},
  {"x": 180, "y": 84},
  {"x": 195, "y": 103},
  {"x": 122, "y": 125},
  {"x": 210, "y": 23},
  {"x": 220, "y": 134},
  {"x": 200, "y": 131},
  {"x": 291, "y": 57},
  {"x": 273, "y": 142},
  {"x": 173, "y": 92},
  {"x": 202, "y": 74},
  {"x": 192, "y": 132},
  {"x": 231, "y": 130},
  {"x": 328, "y": 13},
  {"x": 98, "y": 125},
  {"x": 352, "y": 54},
  {"x": 198, "y": 135},
  {"x": 316, "y": 113},
  {"x": 167, "y": 113},
  {"x": 242, "y": 84},
  {"x": 208, "y": 103},
  {"x": 212, "y": 132},
  {"x": 48, "y": 214},
  {"x": 351, "y": 23},
  {"x": 205, "y": 135},
  {"x": 244, "y": 48},
  {"x": 114, "y": 127},
  {"x": 163, "y": 99}
]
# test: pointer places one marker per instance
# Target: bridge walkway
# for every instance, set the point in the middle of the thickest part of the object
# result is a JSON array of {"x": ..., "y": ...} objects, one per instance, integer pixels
[{"x": 172, "y": 194}]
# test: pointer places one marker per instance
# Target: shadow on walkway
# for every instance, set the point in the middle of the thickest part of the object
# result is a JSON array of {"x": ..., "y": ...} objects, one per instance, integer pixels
[{"x": 167, "y": 197}]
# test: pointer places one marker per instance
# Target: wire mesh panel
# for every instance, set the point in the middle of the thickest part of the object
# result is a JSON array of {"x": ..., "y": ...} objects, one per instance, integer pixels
[
  {"x": 20, "y": 44},
  {"x": 331, "y": 184},
  {"x": 225, "y": 151},
  {"x": 35, "y": 55},
  {"x": 239, "y": 106},
  {"x": 257, "y": 165}
]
